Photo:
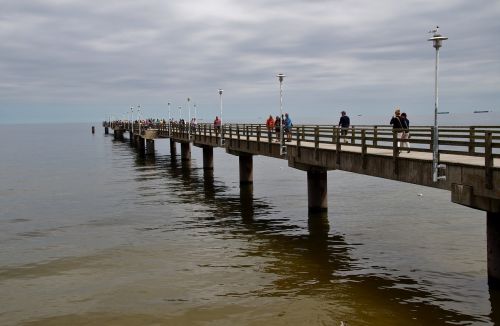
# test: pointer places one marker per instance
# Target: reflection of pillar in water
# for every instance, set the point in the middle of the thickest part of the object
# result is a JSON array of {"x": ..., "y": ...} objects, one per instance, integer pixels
[
  {"x": 208, "y": 183},
  {"x": 318, "y": 224},
  {"x": 493, "y": 248},
  {"x": 246, "y": 201},
  {"x": 495, "y": 306}
]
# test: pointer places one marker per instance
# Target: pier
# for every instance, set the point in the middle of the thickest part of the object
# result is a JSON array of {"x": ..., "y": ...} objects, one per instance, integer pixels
[{"x": 470, "y": 157}]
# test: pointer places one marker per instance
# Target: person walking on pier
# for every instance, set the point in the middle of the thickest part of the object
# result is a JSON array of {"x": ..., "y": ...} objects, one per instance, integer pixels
[
  {"x": 270, "y": 127},
  {"x": 405, "y": 123},
  {"x": 397, "y": 125},
  {"x": 217, "y": 124},
  {"x": 344, "y": 123},
  {"x": 287, "y": 127},
  {"x": 277, "y": 128}
]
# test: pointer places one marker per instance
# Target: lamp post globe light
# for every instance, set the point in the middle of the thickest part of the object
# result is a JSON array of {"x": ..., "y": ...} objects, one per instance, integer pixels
[
  {"x": 221, "y": 126},
  {"x": 437, "y": 41},
  {"x": 280, "y": 78}
]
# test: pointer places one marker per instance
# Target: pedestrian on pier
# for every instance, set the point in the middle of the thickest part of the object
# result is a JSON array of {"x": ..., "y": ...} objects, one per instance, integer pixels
[
  {"x": 344, "y": 124},
  {"x": 397, "y": 125},
  {"x": 406, "y": 132},
  {"x": 217, "y": 124},
  {"x": 270, "y": 127},
  {"x": 287, "y": 127},
  {"x": 277, "y": 128}
]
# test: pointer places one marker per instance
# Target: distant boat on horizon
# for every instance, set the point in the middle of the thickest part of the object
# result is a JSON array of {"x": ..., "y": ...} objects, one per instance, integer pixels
[{"x": 481, "y": 111}]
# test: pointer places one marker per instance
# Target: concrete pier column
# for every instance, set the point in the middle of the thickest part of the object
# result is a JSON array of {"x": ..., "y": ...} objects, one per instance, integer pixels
[
  {"x": 246, "y": 169},
  {"x": 493, "y": 248},
  {"x": 106, "y": 130},
  {"x": 173, "y": 148},
  {"x": 118, "y": 134},
  {"x": 317, "y": 191},
  {"x": 140, "y": 145},
  {"x": 131, "y": 137},
  {"x": 150, "y": 147},
  {"x": 186, "y": 151},
  {"x": 208, "y": 157}
]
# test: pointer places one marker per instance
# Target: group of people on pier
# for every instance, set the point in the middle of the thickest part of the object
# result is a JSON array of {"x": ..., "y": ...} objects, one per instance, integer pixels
[{"x": 275, "y": 124}]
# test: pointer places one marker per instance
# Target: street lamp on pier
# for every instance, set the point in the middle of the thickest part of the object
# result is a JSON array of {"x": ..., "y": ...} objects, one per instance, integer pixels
[
  {"x": 280, "y": 78},
  {"x": 132, "y": 118},
  {"x": 221, "y": 126},
  {"x": 437, "y": 40},
  {"x": 169, "y": 119}
]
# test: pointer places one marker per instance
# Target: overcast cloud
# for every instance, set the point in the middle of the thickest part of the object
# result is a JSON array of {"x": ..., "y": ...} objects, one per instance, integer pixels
[{"x": 82, "y": 60}]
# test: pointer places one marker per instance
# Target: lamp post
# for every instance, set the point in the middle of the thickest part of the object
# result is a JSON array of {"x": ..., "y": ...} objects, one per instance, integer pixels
[
  {"x": 180, "y": 113},
  {"x": 132, "y": 117},
  {"x": 169, "y": 120},
  {"x": 221, "y": 126},
  {"x": 195, "y": 112},
  {"x": 280, "y": 78},
  {"x": 437, "y": 40},
  {"x": 139, "y": 117},
  {"x": 189, "y": 116}
]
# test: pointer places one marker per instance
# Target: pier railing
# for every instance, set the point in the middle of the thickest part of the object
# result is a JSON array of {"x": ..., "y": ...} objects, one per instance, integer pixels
[{"x": 483, "y": 141}]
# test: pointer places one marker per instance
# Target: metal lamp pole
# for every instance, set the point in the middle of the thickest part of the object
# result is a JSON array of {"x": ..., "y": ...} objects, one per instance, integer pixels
[
  {"x": 221, "y": 126},
  {"x": 195, "y": 112},
  {"x": 169, "y": 120},
  {"x": 437, "y": 40},
  {"x": 280, "y": 77},
  {"x": 132, "y": 117},
  {"x": 139, "y": 117}
]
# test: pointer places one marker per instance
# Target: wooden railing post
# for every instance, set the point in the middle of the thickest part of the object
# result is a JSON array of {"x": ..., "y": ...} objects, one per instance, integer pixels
[
  {"x": 353, "y": 135},
  {"x": 395, "y": 151},
  {"x": 375, "y": 136},
  {"x": 472, "y": 133},
  {"x": 298, "y": 142},
  {"x": 363, "y": 148},
  {"x": 230, "y": 135},
  {"x": 338, "y": 146},
  {"x": 488, "y": 159},
  {"x": 238, "y": 134},
  {"x": 432, "y": 140},
  {"x": 316, "y": 142},
  {"x": 258, "y": 137},
  {"x": 303, "y": 132}
]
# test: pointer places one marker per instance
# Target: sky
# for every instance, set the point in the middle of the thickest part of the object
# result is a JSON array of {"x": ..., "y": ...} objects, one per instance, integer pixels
[{"x": 88, "y": 60}]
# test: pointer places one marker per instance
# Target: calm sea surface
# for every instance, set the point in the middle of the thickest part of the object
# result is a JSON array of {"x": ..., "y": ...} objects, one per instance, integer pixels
[{"x": 92, "y": 234}]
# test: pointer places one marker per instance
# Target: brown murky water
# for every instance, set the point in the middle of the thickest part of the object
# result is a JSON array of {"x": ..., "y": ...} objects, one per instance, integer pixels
[{"x": 94, "y": 235}]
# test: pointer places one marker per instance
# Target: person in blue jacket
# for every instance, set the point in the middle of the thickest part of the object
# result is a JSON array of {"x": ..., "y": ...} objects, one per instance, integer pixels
[{"x": 287, "y": 127}]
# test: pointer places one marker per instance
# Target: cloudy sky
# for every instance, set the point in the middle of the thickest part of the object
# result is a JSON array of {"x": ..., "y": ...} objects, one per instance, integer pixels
[{"x": 83, "y": 60}]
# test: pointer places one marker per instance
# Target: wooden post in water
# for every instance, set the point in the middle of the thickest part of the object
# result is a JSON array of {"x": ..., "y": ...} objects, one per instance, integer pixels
[
  {"x": 208, "y": 157},
  {"x": 493, "y": 248},
  {"x": 93, "y": 130},
  {"x": 246, "y": 169},
  {"x": 317, "y": 190}
]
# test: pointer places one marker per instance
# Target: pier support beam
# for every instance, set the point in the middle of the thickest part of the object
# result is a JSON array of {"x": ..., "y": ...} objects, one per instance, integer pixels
[
  {"x": 173, "y": 147},
  {"x": 140, "y": 145},
  {"x": 186, "y": 151},
  {"x": 317, "y": 191},
  {"x": 118, "y": 134},
  {"x": 246, "y": 169},
  {"x": 131, "y": 138},
  {"x": 208, "y": 157},
  {"x": 150, "y": 147},
  {"x": 493, "y": 248},
  {"x": 106, "y": 130}
]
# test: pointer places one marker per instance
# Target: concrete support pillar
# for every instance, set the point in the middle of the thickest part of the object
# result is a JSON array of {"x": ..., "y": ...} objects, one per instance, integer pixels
[
  {"x": 493, "y": 248},
  {"x": 131, "y": 138},
  {"x": 317, "y": 191},
  {"x": 140, "y": 145},
  {"x": 150, "y": 147},
  {"x": 173, "y": 148},
  {"x": 118, "y": 134},
  {"x": 186, "y": 151},
  {"x": 106, "y": 130},
  {"x": 246, "y": 169},
  {"x": 208, "y": 157}
]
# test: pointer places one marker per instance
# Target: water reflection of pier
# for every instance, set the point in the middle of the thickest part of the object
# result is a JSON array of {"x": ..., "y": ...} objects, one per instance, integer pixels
[{"x": 317, "y": 262}]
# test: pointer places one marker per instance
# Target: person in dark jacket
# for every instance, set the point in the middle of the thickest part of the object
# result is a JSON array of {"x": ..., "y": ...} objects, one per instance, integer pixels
[
  {"x": 344, "y": 124},
  {"x": 397, "y": 126},
  {"x": 405, "y": 123}
]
